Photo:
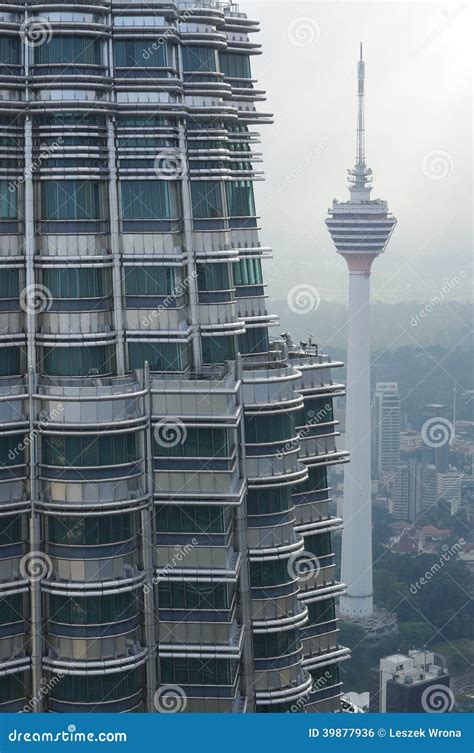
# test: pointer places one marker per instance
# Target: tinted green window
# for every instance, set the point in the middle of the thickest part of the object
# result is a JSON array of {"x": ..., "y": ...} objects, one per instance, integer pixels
[
  {"x": 139, "y": 53},
  {"x": 10, "y": 528},
  {"x": 317, "y": 480},
  {"x": 90, "y": 530},
  {"x": 145, "y": 200},
  {"x": 149, "y": 280},
  {"x": 12, "y": 610},
  {"x": 192, "y": 595},
  {"x": 264, "y": 429},
  {"x": 198, "y": 672},
  {"x": 10, "y": 50},
  {"x": 206, "y": 199},
  {"x": 199, "y": 443},
  {"x": 71, "y": 50},
  {"x": 240, "y": 199},
  {"x": 9, "y": 283},
  {"x": 10, "y": 361},
  {"x": 271, "y": 573},
  {"x": 8, "y": 201},
  {"x": 96, "y": 688},
  {"x": 268, "y": 501},
  {"x": 255, "y": 340},
  {"x": 318, "y": 411},
  {"x": 219, "y": 349},
  {"x": 248, "y": 272},
  {"x": 78, "y": 361},
  {"x": 13, "y": 687},
  {"x": 190, "y": 519},
  {"x": 78, "y": 283},
  {"x": 160, "y": 356},
  {"x": 12, "y": 449},
  {"x": 325, "y": 676},
  {"x": 196, "y": 59},
  {"x": 271, "y": 645},
  {"x": 214, "y": 276},
  {"x": 235, "y": 65},
  {"x": 90, "y": 450},
  {"x": 93, "y": 610},
  {"x": 72, "y": 200},
  {"x": 321, "y": 611},
  {"x": 319, "y": 544}
]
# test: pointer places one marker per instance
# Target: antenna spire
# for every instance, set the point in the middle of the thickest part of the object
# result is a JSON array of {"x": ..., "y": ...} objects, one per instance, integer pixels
[{"x": 360, "y": 153}]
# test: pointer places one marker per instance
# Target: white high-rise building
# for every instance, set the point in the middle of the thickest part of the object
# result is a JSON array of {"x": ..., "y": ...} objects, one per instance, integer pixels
[
  {"x": 360, "y": 229},
  {"x": 386, "y": 433}
]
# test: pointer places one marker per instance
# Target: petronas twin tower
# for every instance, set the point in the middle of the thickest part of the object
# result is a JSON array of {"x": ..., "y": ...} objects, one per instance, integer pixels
[{"x": 165, "y": 535}]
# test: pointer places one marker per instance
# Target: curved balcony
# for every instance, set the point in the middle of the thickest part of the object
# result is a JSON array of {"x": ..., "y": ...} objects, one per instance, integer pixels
[
  {"x": 278, "y": 693},
  {"x": 92, "y": 691}
]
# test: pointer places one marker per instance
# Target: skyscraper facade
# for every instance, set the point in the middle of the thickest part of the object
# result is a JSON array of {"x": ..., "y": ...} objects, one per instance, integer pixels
[
  {"x": 166, "y": 534},
  {"x": 360, "y": 229},
  {"x": 386, "y": 433}
]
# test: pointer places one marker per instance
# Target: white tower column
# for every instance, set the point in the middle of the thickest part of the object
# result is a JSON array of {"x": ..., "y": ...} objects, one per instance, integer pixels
[{"x": 357, "y": 510}]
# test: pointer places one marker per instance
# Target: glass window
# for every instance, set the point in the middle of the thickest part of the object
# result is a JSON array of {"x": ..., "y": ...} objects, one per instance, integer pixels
[
  {"x": 318, "y": 411},
  {"x": 270, "y": 573},
  {"x": 198, "y": 672},
  {"x": 235, "y": 65},
  {"x": 160, "y": 356},
  {"x": 9, "y": 283},
  {"x": 10, "y": 529},
  {"x": 190, "y": 519},
  {"x": 321, "y": 611},
  {"x": 79, "y": 361},
  {"x": 12, "y": 449},
  {"x": 248, "y": 272},
  {"x": 219, "y": 349},
  {"x": 174, "y": 595},
  {"x": 199, "y": 59},
  {"x": 72, "y": 200},
  {"x": 149, "y": 280},
  {"x": 255, "y": 340},
  {"x": 70, "y": 50},
  {"x": 10, "y": 361},
  {"x": 268, "y": 501},
  {"x": 317, "y": 480},
  {"x": 199, "y": 443},
  {"x": 240, "y": 198},
  {"x": 10, "y": 50},
  {"x": 261, "y": 429},
  {"x": 206, "y": 199},
  {"x": 96, "y": 688},
  {"x": 8, "y": 200},
  {"x": 145, "y": 200},
  {"x": 13, "y": 687},
  {"x": 214, "y": 276},
  {"x": 93, "y": 610},
  {"x": 139, "y": 53},
  {"x": 91, "y": 530},
  {"x": 12, "y": 610},
  {"x": 104, "y": 449},
  {"x": 78, "y": 282},
  {"x": 319, "y": 544},
  {"x": 272, "y": 645}
]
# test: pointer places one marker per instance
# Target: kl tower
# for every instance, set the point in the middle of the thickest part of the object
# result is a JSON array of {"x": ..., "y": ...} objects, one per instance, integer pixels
[{"x": 360, "y": 229}]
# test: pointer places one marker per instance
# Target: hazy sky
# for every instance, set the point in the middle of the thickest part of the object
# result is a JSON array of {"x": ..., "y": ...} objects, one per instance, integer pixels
[{"x": 418, "y": 136}]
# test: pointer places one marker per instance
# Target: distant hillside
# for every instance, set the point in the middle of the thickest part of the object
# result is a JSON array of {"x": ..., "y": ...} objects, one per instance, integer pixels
[{"x": 393, "y": 325}]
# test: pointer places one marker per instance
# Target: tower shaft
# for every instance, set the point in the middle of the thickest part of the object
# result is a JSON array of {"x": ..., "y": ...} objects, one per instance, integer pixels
[{"x": 357, "y": 542}]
